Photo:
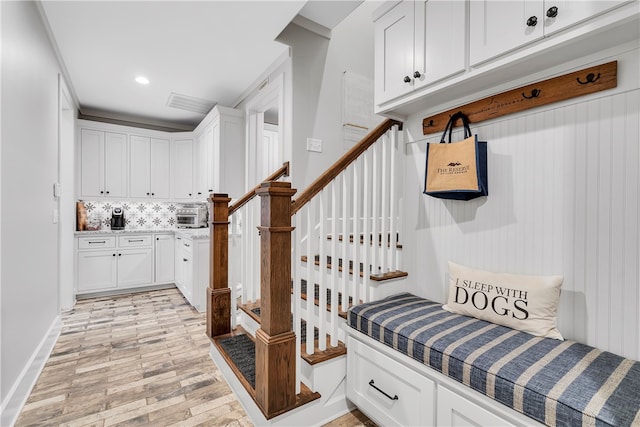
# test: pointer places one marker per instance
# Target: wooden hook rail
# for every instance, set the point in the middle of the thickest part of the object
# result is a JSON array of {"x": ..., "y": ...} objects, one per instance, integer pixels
[{"x": 556, "y": 89}]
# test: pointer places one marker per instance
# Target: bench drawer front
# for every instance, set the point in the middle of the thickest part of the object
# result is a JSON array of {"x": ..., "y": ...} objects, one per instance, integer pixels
[
  {"x": 456, "y": 411},
  {"x": 386, "y": 390}
]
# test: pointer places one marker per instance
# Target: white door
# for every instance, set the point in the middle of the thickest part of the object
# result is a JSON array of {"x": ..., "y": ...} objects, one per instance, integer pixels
[
  {"x": 440, "y": 40},
  {"x": 135, "y": 267},
  {"x": 164, "y": 258},
  {"x": 183, "y": 169},
  {"x": 139, "y": 166},
  {"x": 115, "y": 164},
  {"x": 499, "y": 26},
  {"x": 97, "y": 270},
  {"x": 160, "y": 164},
  {"x": 91, "y": 163},
  {"x": 569, "y": 12},
  {"x": 394, "y": 53}
]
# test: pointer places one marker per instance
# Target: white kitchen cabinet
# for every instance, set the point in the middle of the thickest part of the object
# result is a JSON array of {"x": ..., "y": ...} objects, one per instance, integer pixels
[
  {"x": 149, "y": 166},
  {"x": 105, "y": 263},
  {"x": 103, "y": 164},
  {"x": 135, "y": 267},
  {"x": 183, "y": 169},
  {"x": 192, "y": 268},
  {"x": 204, "y": 164},
  {"x": 221, "y": 142},
  {"x": 164, "y": 258},
  {"x": 97, "y": 270},
  {"x": 417, "y": 44},
  {"x": 498, "y": 27}
]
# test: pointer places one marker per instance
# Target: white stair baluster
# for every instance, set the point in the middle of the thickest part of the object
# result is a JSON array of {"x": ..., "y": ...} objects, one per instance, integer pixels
[
  {"x": 333, "y": 283},
  {"x": 356, "y": 232},
  {"x": 345, "y": 242},
  {"x": 322, "y": 274},
  {"x": 296, "y": 277},
  {"x": 366, "y": 190},
  {"x": 309, "y": 348},
  {"x": 384, "y": 205},
  {"x": 375, "y": 210},
  {"x": 393, "y": 202}
]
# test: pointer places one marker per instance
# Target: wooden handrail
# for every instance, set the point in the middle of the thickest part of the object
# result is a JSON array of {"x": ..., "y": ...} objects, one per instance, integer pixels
[
  {"x": 283, "y": 171},
  {"x": 341, "y": 164}
]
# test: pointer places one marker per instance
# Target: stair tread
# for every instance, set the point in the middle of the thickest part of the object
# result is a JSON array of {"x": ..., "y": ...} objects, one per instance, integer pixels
[
  {"x": 305, "y": 396},
  {"x": 376, "y": 277},
  {"x": 341, "y": 238}
]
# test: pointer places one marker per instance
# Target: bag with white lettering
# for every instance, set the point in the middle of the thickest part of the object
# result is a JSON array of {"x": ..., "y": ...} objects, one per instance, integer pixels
[{"x": 457, "y": 170}]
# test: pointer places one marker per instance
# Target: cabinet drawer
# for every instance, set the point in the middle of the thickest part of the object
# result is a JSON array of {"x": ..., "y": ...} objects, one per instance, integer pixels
[
  {"x": 456, "y": 411},
  {"x": 104, "y": 242},
  {"x": 386, "y": 390},
  {"x": 134, "y": 241}
]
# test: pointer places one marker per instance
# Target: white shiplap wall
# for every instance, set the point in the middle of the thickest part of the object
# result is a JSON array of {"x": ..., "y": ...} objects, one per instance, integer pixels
[{"x": 563, "y": 199}]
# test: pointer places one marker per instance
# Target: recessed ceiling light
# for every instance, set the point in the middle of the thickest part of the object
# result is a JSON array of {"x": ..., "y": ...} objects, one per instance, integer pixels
[{"x": 142, "y": 80}]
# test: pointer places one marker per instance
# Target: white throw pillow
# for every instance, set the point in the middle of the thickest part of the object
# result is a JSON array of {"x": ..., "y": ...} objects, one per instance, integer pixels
[{"x": 525, "y": 303}]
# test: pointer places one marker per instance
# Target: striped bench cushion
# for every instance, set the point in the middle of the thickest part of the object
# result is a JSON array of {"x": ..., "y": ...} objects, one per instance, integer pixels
[{"x": 559, "y": 383}]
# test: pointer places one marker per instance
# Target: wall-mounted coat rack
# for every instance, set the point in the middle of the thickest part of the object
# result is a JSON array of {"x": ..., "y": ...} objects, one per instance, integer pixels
[{"x": 556, "y": 89}]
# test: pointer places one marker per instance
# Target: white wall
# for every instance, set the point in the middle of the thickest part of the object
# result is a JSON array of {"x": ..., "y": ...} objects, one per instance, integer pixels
[
  {"x": 318, "y": 65},
  {"x": 29, "y": 167},
  {"x": 563, "y": 199}
]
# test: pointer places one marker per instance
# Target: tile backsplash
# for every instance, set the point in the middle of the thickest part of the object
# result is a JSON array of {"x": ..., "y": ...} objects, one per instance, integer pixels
[{"x": 137, "y": 215}]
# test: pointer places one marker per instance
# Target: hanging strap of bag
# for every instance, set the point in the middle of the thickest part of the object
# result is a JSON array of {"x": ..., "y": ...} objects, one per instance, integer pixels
[{"x": 451, "y": 124}]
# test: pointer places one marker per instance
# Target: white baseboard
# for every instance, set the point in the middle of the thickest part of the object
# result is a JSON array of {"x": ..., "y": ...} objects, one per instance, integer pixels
[{"x": 14, "y": 401}]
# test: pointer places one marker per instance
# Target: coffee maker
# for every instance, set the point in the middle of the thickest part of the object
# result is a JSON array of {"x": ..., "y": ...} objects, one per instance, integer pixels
[{"x": 117, "y": 218}]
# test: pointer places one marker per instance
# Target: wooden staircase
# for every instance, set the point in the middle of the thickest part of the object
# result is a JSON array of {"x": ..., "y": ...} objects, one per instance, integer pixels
[{"x": 293, "y": 379}]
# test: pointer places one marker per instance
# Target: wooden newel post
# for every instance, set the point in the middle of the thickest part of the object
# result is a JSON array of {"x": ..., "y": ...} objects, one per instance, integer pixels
[
  {"x": 275, "y": 341},
  {"x": 218, "y": 292}
]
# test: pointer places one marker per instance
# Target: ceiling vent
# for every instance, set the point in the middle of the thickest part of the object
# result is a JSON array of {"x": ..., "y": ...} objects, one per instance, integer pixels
[{"x": 189, "y": 103}]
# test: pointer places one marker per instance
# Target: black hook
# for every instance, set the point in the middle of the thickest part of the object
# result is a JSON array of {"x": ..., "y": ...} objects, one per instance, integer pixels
[
  {"x": 591, "y": 78},
  {"x": 428, "y": 124},
  {"x": 534, "y": 94}
]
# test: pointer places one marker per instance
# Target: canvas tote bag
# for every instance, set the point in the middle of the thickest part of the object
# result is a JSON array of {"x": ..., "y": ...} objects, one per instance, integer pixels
[{"x": 456, "y": 170}]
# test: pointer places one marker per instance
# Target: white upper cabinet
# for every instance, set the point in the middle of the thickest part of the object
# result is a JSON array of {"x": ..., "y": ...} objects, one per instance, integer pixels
[
  {"x": 429, "y": 53},
  {"x": 416, "y": 44},
  {"x": 103, "y": 160},
  {"x": 498, "y": 26},
  {"x": 183, "y": 162},
  {"x": 220, "y": 153},
  {"x": 561, "y": 14},
  {"x": 149, "y": 167}
]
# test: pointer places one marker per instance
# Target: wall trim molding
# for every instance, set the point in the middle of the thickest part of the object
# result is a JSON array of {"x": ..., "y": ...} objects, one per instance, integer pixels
[{"x": 15, "y": 400}]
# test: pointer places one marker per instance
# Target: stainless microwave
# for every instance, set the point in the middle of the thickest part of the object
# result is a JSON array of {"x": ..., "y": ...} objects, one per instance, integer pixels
[{"x": 192, "y": 215}]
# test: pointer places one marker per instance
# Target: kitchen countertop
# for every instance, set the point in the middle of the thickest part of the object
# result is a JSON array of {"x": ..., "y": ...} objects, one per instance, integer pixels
[{"x": 189, "y": 233}]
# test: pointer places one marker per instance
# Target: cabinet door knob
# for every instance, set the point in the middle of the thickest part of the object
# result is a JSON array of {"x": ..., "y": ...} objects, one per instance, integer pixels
[
  {"x": 199, "y": 193},
  {"x": 417, "y": 74},
  {"x": 407, "y": 79},
  {"x": 107, "y": 191},
  {"x": 114, "y": 254},
  {"x": 101, "y": 192},
  {"x": 189, "y": 193},
  {"x": 552, "y": 12},
  {"x": 531, "y": 22},
  {"x": 119, "y": 254},
  {"x": 147, "y": 194},
  {"x": 153, "y": 194}
]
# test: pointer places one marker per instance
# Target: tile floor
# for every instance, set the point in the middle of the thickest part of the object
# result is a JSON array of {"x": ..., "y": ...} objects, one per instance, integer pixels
[{"x": 136, "y": 359}]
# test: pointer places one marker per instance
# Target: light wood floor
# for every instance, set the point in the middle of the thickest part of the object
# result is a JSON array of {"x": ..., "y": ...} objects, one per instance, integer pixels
[{"x": 138, "y": 359}]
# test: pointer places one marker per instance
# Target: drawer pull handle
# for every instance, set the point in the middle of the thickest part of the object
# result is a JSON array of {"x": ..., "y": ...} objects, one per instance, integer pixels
[
  {"x": 97, "y": 241},
  {"x": 136, "y": 240},
  {"x": 372, "y": 384}
]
